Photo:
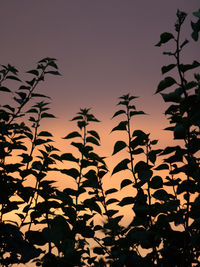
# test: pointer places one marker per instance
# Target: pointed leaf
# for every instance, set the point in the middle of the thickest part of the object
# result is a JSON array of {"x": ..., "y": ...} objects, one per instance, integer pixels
[
  {"x": 47, "y": 115},
  {"x": 4, "y": 89},
  {"x": 111, "y": 201},
  {"x": 120, "y": 127},
  {"x": 71, "y": 172},
  {"x": 164, "y": 38},
  {"x": 118, "y": 113},
  {"x": 45, "y": 133},
  {"x": 111, "y": 191},
  {"x": 119, "y": 145},
  {"x": 125, "y": 182},
  {"x": 162, "y": 167},
  {"x": 123, "y": 165},
  {"x": 68, "y": 157},
  {"x": 167, "y": 68},
  {"x": 92, "y": 140},
  {"x": 72, "y": 135},
  {"x": 167, "y": 82},
  {"x": 95, "y": 134},
  {"x": 127, "y": 201}
]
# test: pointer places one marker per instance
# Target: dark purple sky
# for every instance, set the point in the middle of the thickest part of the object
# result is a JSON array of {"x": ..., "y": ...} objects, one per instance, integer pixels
[{"x": 105, "y": 48}]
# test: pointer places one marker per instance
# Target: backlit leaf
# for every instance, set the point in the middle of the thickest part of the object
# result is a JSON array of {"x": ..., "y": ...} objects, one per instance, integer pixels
[
  {"x": 167, "y": 82},
  {"x": 123, "y": 165},
  {"x": 119, "y": 145},
  {"x": 164, "y": 38},
  {"x": 120, "y": 127}
]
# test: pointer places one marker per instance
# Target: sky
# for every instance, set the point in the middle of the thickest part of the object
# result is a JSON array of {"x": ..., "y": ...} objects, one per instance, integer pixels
[{"x": 104, "y": 48}]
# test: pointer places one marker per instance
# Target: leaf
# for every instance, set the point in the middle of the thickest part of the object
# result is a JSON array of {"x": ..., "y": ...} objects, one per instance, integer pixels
[
  {"x": 167, "y": 68},
  {"x": 77, "y": 118},
  {"x": 153, "y": 154},
  {"x": 98, "y": 250},
  {"x": 120, "y": 127},
  {"x": 110, "y": 213},
  {"x": 52, "y": 72},
  {"x": 137, "y": 151},
  {"x": 173, "y": 96},
  {"x": 186, "y": 67},
  {"x": 180, "y": 132},
  {"x": 125, "y": 182},
  {"x": 111, "y": 200},
  {"x": 47, "y": 115},
  {"x": 133, "y": 113},
  {"x": 123, "y": 165},
  {"x": 39, "y": 95},
  {"x": 92, "y": 140},
  {"x": 11, "y": 77},
  {"x": 111, "y": 191},
  {"x": 71, "y": 172},
  {"x": 164, "y": 38},
  {"x": 119, "y": 145},
  {"x": 72, "y": 135},
  {"x": 118, "y": 113},
  {"x": 45, "y": 133},
  {"x": 95, "y": 134},
  {"x": 68, "y": 157},
  {"x": 162, "y": 167},
  {"x": 127, "y": 201},
  {"x": 161, "y": 195},
  {"x": 4, "y": 89},
  {"x": 156, "y": 182},
  {"x": 167, "y": 82},
  {"x": 34, "y": 72}
]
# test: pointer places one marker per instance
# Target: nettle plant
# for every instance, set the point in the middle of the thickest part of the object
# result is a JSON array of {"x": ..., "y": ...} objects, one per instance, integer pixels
[{"x": 81, "y": 226}]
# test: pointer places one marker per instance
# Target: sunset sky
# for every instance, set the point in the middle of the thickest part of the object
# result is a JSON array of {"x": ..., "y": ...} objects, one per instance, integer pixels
[{"x": 105, "y": 48}]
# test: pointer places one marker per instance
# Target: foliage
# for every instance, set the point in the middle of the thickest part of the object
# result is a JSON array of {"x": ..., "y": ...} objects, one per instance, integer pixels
[{"x": 81, "y": 226}]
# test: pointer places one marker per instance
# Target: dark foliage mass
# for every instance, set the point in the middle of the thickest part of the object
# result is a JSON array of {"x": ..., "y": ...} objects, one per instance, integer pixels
[{"x": 42, "y": 224}]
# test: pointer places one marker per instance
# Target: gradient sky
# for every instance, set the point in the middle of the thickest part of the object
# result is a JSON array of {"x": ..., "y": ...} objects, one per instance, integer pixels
[{"x": 105, "y": 48}]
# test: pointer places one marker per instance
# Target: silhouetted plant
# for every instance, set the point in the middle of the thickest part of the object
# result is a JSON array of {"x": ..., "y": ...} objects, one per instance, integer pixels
[{"x": 54, "y": 227}]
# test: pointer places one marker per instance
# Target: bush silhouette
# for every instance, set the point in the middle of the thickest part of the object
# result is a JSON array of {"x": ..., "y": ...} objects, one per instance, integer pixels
[{"x": 54, "y": 227}]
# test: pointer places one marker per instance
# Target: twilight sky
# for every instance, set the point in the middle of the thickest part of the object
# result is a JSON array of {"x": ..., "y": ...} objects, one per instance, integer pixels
[{"x": 105, "y": 48}]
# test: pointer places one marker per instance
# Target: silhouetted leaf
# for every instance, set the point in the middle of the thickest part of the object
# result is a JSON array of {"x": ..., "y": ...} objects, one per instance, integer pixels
[
  {"x": 72, "y": 135},
  {"x": 125, "y": 182},
  {"x": 111, "y": 200},
  {"x": 34, "y": 72},
  {"x": 167, "y": 68},
  {"x": 119, "y": 145},
  {"x": 95, "y": 134},
  {"x": 118, "y": 113},
  {"x": 47, "y": 115},
  {"x": 167, "y": 82},
  {"x": 126, "y": 201},
  {"x": 164, "y": 38},
  {"x": 71, "y": 172},
  {"x": 133, "y": 113},
  {"x": 156, "y": 182},
  {"x": 69, "y": 157},
  {"x": 162, "y": 167},
  {"x": 92, "y": 140},
  {"x": 123, "y": 165},
  {"x": 110, "y": 191},
  {"x": 11, "y": 77},
  {"x": 4, "y": 89},
  {"x": 180, "y": 131},
  {"x": 98, "y": 250},
  {"x": 44, "y": 133},
  {"x": 120, "y": 127},
  {"x": 161, "y": 195},
  {"x": 186, "y": 67}
]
